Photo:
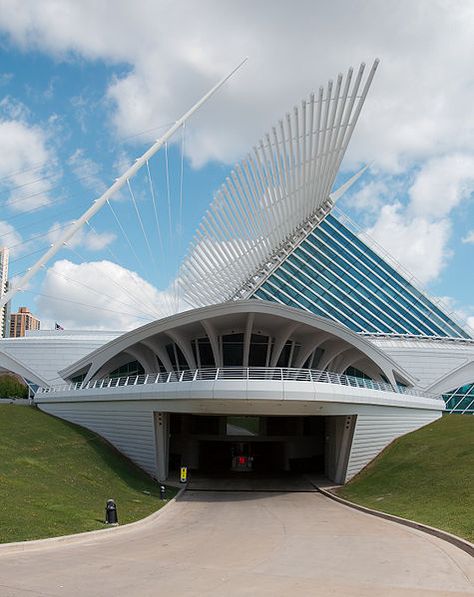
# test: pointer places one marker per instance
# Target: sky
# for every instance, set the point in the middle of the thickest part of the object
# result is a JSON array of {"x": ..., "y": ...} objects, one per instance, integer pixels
[{"x": 86, "y": 86}]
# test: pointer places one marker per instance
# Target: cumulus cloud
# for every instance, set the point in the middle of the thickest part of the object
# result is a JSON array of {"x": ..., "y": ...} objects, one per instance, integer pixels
[
  {"x": 418, "y": 244},
  {"x": 374, "y": 193},
  {"x": 417, "y": 233},
  {"x": 417, "y": 107},
  {"x": 469, "y": 238},
  {"x": 25, "y": 176},
  {"x": 415, "y": 113},
  {"x": 87, "y": 171},
  {"x": 9, "y": 237},
  {"x": 88, "y": 239},
  {"x": 441, "y": 184},
  {"x": 99, "y": 295}
]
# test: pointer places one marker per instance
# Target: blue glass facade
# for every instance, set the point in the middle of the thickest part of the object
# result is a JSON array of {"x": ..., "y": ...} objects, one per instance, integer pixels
[
  {"x": 334, "y": 274},
  {"x": 461, "y": 400}
]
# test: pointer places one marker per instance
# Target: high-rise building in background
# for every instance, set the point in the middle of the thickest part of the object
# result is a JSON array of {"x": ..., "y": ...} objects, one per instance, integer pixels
[
  {"x": 4, "y": 311},
  {"x": 23, "y": 321}
]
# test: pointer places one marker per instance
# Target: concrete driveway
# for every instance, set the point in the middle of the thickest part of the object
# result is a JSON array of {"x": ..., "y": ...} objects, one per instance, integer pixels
[{"x": 241, "y": 543}]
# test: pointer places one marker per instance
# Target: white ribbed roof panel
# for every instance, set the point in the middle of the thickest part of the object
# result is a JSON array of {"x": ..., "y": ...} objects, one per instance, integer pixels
[{"x": 284, "y": 181}]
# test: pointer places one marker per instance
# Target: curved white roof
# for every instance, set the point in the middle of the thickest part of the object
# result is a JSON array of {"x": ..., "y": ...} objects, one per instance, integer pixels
[
  {"x": 147, "y": 343},
  {"x": 38, "y": 356}
]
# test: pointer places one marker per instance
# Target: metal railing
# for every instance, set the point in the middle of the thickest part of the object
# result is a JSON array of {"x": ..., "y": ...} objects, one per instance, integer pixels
[{"x": 237, "y": 373}]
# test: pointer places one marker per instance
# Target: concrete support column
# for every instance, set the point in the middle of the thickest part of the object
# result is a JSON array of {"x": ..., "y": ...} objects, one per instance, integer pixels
[
  {"x": 347, "y": 432},
  {"x": 338, "y": 444},
  {"x": 162, "y": 436}
]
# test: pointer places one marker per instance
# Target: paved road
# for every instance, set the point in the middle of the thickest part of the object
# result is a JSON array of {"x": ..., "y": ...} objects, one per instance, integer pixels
[{"x": 240, "y": 543}]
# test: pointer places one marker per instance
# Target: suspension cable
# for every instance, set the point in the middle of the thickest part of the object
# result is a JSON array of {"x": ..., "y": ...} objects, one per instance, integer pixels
[
  {"x": 168, "y": 192},
  {"x": 130, "y": 274},
  {"x": 155, "y": 207},
  {"x": 137, "y": 211},
  {"x": 99, "y": 292},
  {"x": 56, "y": 298}
]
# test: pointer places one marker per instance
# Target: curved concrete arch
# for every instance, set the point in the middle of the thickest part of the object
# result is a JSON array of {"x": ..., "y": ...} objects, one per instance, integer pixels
[
  {"x": 10, "y": 364},
  {"x": 160, "y": 351},
  {"x": 269, "y": 313},
  {"x": 185, "y": 346},
  {"x": 214, "y": 341},
  {"x": 346, "y": 360},
  {"x": 332, "y": 349},
  {"x": 309, "y": 347},
  {"x": 144, "y": 356}
]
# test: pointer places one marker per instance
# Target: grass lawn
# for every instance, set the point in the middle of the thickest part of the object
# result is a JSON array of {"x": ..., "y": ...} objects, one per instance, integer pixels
[
  {"x": 427, "y": 476},
  {"x": 55, "y": 478}
]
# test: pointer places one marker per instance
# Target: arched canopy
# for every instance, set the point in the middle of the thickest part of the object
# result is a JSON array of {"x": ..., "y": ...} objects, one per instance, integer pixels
[{"x": 240, "y": 333}]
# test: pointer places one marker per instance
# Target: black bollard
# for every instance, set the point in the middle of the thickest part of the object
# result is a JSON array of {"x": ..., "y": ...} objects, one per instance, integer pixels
[
  {"x": 111, "y": 512},
  {"x": 162, "y": 492}
]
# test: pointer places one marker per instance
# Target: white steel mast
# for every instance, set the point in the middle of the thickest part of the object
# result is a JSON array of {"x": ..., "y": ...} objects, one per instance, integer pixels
[{"x": 117, "y": 185}]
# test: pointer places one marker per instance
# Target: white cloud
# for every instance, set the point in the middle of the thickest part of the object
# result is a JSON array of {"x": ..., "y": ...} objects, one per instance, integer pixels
[
  {"x": 9, "y": 237},
  {"x": 420, "y": 245},
  {"x": 418, "y": 234},
  {"x": 13, "y": 108},
  {"x": 441, "y": 184},
  {"x": 469, "y": 238},
  {"x": 371, "y": 196},
  {"x": 99, "y": 295},
  {"x": 417, "y": 108},
  {"x": 87, "y": 172},
  {"x": 90, "y": 240},
  {"x": 417, "y": 111},
  {"x": 24, "y": 165}
]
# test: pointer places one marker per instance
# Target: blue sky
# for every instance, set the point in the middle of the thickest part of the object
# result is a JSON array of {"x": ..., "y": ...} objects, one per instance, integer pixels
[{"x": 84, "y": 91}]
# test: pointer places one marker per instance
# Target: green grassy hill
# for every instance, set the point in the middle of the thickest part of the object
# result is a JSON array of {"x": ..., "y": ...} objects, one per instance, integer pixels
[
  {"x": 55, "y": 478},
  {"x": 427, "y": 476}
]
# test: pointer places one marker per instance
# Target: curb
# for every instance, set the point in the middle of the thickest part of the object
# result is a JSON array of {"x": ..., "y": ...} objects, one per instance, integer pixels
[
  {"x": 76, "y": 538},
  {"x": 444, "y": 535}
]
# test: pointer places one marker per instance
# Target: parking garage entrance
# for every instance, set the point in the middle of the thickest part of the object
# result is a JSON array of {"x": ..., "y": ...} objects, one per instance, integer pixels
[{"x": 241, "y": 445}]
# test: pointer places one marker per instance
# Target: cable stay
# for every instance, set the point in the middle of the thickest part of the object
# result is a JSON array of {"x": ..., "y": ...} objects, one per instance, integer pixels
[
  {"x": 137, "y": 211},
  {"x": 140, "y": 289},
  {"x": 155, "y": 207},
  {"x": 97, "y": 205},
  {"x": 97, "y": 307},
  {"x": 149, "y": 316}
]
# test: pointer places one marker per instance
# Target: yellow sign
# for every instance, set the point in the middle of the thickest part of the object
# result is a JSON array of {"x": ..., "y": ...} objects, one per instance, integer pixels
[{"x": 184, "y": 474}]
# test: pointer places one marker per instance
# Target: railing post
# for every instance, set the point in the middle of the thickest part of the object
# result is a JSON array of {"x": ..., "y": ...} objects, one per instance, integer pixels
[
  {"x": 216, "y": 377},
  {"x": 195, "y": 374}
]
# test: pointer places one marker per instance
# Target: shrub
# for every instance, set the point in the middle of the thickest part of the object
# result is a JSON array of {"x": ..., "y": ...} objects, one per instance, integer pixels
[{"x": 11, "y": 387}]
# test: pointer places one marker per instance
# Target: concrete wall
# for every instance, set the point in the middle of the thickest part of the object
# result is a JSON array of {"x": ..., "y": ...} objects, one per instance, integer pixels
[
  {"x": 129, "y": 426},
  {"x": 377, "y": 428},
  {"x": 128, "y": 422}
]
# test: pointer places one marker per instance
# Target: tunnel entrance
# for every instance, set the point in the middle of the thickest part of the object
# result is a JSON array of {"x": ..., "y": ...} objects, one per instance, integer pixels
[
  {"x": 240, "y": 445},
  {"x": 241, "y": 457}
]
